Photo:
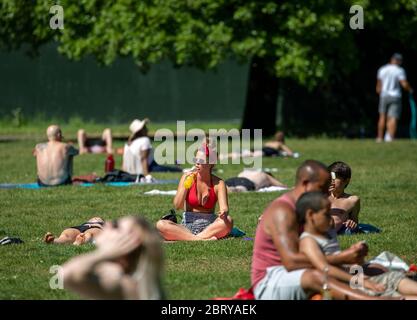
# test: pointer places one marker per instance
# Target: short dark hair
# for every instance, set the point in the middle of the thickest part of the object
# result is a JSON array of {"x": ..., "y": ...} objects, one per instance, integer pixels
[
  {"x": 341, "y": 169},
  {"x": 310, "y": 169},
  {"x": 313, "y": 200}
]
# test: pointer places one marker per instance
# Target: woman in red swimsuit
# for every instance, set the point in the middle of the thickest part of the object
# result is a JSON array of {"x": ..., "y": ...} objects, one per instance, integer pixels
[{"x": 199, "y": 202}]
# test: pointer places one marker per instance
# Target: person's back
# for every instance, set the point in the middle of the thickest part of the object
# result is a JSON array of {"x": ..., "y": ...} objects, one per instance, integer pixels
[
  {"x": 132, "y": 161},
  {"x": 390, "y": 76},
  {"x": 54, "y": 159}
]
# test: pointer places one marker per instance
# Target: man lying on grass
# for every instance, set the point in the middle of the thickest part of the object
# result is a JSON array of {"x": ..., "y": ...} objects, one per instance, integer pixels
[{"x": 313, "y": 213}]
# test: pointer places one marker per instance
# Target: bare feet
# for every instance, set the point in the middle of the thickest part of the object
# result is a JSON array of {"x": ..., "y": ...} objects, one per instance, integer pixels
[
  {"x": 79, "y": 240},
  {"x": 48, "y": 237}
]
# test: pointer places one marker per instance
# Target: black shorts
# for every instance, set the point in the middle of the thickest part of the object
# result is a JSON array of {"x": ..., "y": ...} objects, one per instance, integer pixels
[
  {"x": 270, "y": 152},
  {"x": 68, "y": 181},
  {"x": 90, "y": 142},
  {"x": 85, "y": 226},
  {"x": 237, "y": 181}
]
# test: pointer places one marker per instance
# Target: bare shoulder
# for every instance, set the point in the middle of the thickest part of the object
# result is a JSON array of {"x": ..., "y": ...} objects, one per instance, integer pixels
[
  {"x": 41, "y": 146},
  {"x": 353, "y": 198},
  {"x": 279, "y": 214}
]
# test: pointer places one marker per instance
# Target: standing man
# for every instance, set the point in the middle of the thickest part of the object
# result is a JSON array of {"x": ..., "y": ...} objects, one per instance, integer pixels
[
  {"x": 390, "y": 78},
  {"x": 54, "y": 159}
]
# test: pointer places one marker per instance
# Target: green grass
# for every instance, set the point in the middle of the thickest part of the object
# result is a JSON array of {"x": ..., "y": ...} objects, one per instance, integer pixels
[{"x": 384, "y": 175}]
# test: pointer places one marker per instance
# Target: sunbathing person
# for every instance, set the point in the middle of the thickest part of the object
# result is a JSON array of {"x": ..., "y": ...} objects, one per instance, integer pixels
[
  {"x": 78, "y": 235},
  {"x": 274, "y": 148},
  {"x": 127, "y": 263},
  {"x": 54, "y": 159},
  {"x": 95, "y": 145},
  {"x": 317, "y": 242},
  {"x": 277, "y": 147},
  {"x": 344, "y": 207},
  {"x": 252, "y": 180},
  {"x": 199, "y": 201}
]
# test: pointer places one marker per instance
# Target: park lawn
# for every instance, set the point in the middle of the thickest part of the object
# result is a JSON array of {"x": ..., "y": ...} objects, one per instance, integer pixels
[{"x": 384, "y": 175}]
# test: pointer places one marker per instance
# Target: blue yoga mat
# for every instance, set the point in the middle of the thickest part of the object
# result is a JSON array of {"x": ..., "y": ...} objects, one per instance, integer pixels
[{"x": 112, "y": 184}]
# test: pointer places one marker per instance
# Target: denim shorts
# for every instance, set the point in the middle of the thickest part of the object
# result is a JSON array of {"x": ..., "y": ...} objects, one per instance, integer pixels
[{"x": 197, "y": 221}]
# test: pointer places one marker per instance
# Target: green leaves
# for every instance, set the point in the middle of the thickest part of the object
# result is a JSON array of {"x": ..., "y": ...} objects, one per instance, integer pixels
[{"x": 307, "y": 40}]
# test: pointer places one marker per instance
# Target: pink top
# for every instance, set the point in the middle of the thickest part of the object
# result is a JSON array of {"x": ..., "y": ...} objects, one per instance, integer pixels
[{"x": 265, "y": 254}]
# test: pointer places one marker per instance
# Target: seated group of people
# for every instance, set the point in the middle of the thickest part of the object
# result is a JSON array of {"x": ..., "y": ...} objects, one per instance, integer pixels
[
  {"x": 54, "y": 158},
  {"x": 296, "y": 253}
]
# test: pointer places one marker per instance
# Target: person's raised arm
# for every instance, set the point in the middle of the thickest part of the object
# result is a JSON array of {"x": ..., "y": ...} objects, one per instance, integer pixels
[
  {"x": 282, "y": 226},
  {"x": 223, "y": 200},
  {"x": 311, "y": 249},
  {"x": 179, "y": 198},
  {"x": 94, "y": 275}
]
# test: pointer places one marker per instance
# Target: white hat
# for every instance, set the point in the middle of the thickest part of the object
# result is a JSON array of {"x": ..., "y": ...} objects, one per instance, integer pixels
[{"x": 137, "y": 125}]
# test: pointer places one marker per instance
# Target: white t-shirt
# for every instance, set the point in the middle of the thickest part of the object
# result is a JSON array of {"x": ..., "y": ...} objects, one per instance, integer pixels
[
  {"x": 131, "y": 155},
  {"x": 390, "y": 76}
]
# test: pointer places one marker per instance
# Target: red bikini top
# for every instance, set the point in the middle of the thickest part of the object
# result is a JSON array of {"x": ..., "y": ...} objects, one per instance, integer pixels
[{"x": 192, "y": 197}]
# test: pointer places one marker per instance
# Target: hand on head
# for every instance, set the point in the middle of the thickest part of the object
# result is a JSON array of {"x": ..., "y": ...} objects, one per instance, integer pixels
[{"x": 117, "y": 242}]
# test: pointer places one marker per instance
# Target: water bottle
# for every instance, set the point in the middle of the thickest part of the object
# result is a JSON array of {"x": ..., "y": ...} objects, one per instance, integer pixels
[
  {"x": 188, "y": 182},
  {"x": 109, "y": 163}
]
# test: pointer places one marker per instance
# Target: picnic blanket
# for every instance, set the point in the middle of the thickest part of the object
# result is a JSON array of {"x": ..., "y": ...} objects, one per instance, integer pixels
[
  {"x": 112, "y": 184},
  {"x": 174, "y": 192}
]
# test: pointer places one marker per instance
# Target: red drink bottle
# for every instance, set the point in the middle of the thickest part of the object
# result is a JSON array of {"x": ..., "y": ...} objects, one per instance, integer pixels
[{"x": 109, "y": 164}]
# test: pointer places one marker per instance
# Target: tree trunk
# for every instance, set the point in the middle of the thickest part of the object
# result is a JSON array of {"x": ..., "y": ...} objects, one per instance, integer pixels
[{"x": 261, "y": 98}]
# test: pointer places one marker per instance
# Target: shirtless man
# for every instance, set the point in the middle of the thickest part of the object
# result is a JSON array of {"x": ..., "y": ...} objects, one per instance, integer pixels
[
  {"x": 344, "y": 207},
  {"x": 279, "y": 270},
  {"x": 277, "y": 147},
  {"x": 54, "y": 159}
]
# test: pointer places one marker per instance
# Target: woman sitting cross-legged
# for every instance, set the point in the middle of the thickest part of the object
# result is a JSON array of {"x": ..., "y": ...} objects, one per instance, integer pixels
[{"x": 199, "y": 201}]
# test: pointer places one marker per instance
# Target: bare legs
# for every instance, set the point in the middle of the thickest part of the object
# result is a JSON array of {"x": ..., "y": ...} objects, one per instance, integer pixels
[
  {"x": 106, "y": 137},
  {"x": 72, "y": 236},
  {"x": 67, "y": 236},
  {"x": 173, "y": 231},
  {"x": 391, "y": 126},
  {"x": 82, "y": 138},
  {"x": 312, "y": 281}
]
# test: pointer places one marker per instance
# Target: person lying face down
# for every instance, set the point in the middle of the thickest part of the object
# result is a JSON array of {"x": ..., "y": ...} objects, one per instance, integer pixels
[
  {"x": 127, "y": 263},
  {"x": 344, "y": 207},
  {"x": 77, "y": 235}
]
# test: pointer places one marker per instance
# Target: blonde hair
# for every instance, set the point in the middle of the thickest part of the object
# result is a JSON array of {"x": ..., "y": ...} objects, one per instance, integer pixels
[{"x": 148, "y": 260}]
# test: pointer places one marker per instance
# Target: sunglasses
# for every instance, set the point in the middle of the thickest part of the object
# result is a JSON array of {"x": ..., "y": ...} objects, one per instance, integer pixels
[{"x": 199, "y": 161}]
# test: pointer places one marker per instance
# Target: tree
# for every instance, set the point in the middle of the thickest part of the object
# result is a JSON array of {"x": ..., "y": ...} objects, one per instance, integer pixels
[{"x": 307, "y": 41}]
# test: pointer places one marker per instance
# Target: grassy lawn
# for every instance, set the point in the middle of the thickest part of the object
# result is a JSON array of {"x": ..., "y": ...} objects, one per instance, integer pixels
[{"x": 384, "y": 175}]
